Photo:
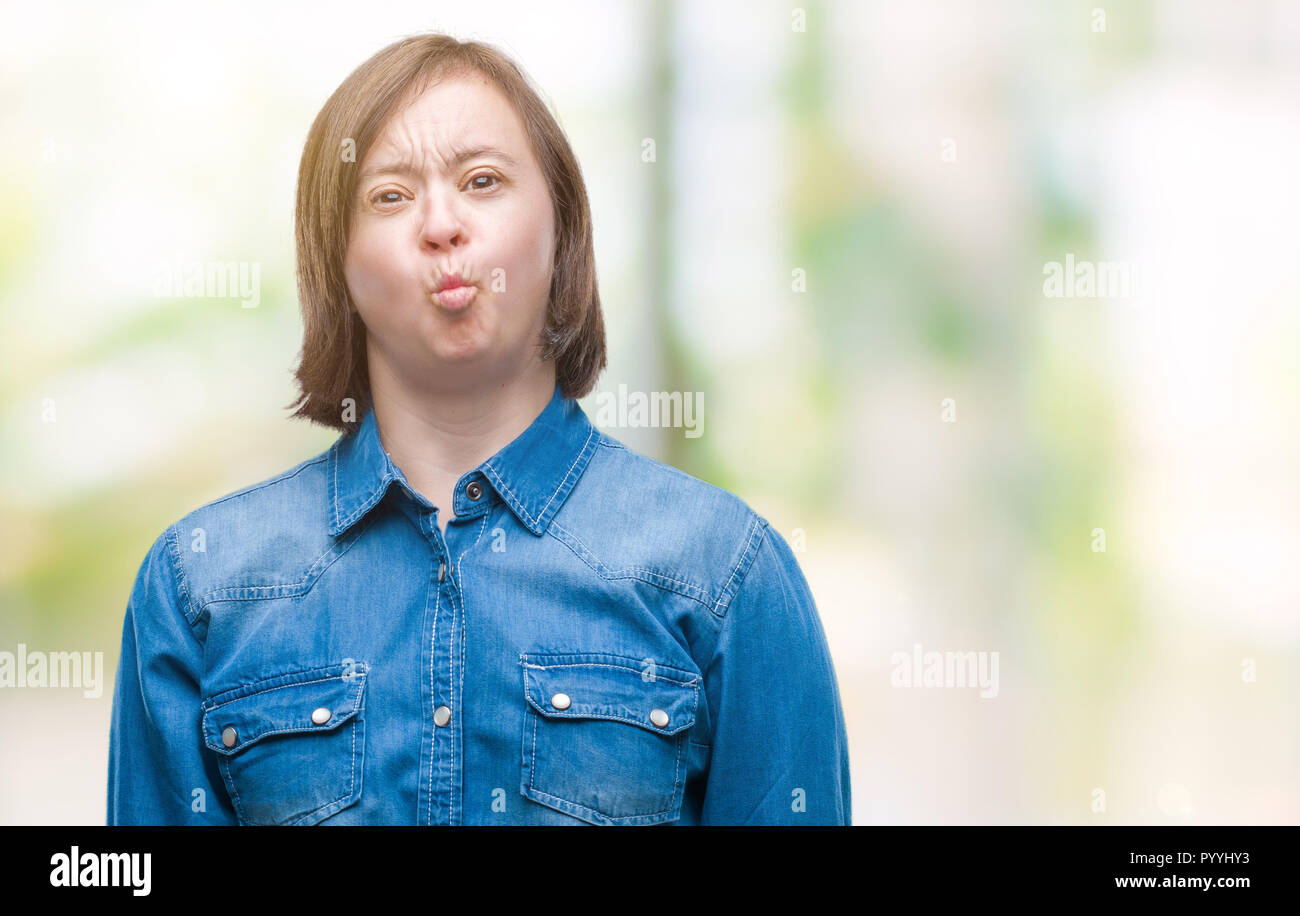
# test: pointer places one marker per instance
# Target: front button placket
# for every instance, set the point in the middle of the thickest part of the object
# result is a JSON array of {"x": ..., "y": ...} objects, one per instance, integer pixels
[
  {"x": 441, "y": 764},
  {"x": 442, "y": 745}
]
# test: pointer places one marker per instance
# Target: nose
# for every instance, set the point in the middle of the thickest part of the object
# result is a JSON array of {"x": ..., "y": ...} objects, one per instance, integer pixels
[{"x": 442, "y": 228}]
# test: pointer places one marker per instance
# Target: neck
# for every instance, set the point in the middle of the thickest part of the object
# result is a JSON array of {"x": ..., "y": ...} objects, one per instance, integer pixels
[{"x": 434, "y": 437}]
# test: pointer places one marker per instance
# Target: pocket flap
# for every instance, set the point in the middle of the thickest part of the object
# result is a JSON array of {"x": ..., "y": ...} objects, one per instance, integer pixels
[
  {"x": 658, "y": 698},
  {"x": 317, "y": 699}
]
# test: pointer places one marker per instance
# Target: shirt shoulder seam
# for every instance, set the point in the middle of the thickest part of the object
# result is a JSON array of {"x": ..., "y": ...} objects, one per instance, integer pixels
[
  {"x": 659, "y": 580},
  {"x": 754, "y": 540},
  {"x": 176, "y": 570}
]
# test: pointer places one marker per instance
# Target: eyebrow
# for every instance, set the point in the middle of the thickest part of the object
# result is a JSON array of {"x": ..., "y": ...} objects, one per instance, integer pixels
[{"x": 459, "y": 157}]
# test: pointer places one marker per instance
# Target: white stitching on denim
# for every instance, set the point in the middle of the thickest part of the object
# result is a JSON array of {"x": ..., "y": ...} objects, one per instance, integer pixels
[
  {"x": 592, "y": 812},
  {"x": 572, "y": 808},
  {"x": 232, "y": 788},
  {"x": 681, "y": 737},
  {"x": 386, "y": 478},
  {"x": 524, "y": 656},
  {"x": 465, "y": 550},
  {"x": 370, "y": 502},
  {"x": 685, "y": 728},
  {"x": 294, "y": 729},
  {"x": 460, "y": 689},
  {"x": 582, "y": 451},
  {"x": 424, "y": 720},
  {"x": 626, "y": 720},
  {"x": 460, "y": 697},
  {"x": 177, "y": 570},
  {"x": 433, "y": 693},
  {"x": 501, "y": 484},
  {"x": 753, "y": 529},
  {"x": 243, "y": 696},
  {"x": 625, "y": 569},
  {"x": 687, "y": 590},
  {"x": 532, "y": 758},
  {"x": 450, "y": 730},
  {"x": 288, "y": 589},
  {"x": 499, "y": 481},
  {"x": 298, "y": 819},
  {"x": 334, "y": 468},
  {"x": 352, "y": 718},
  {"x": 691, "y": 683}
]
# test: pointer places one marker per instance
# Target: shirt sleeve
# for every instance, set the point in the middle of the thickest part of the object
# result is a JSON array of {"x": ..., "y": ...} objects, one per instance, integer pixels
[
  {"x": 159, "y": 771},
  {"x": 780, "y": 750}
]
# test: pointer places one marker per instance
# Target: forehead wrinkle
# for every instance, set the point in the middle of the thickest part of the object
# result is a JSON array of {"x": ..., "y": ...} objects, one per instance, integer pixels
[
  {"x": 403, "y": 152},
  {"x": 405, "y": 163},
  {"x": 403, "y": 148}
]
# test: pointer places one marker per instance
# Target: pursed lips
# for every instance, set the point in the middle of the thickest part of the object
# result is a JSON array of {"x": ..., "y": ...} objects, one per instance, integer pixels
[{"x": 453, "y": 293}]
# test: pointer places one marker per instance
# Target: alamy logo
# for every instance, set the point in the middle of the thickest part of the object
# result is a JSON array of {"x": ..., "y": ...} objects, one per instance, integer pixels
[
  {"x": 1093, "y": 279},
  {"x": 671, "y": 409},
  {"x": 53, "y": 669},
  {"x": 104, "y": 869},
  {"x": 946, "y": 669},
  {"x": 210, "y": 280}
]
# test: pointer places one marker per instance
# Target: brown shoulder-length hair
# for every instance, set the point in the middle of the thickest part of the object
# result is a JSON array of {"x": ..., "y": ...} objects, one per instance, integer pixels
[{"x": 332, "y": 364}]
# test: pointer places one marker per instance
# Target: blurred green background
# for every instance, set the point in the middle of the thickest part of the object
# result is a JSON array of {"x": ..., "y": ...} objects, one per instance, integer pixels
[{"x": 843, "y": 242}]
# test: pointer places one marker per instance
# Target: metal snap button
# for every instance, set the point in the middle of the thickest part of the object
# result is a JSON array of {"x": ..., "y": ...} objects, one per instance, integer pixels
[
  {"x": 442, "y": 571},
  {"x": 441, "y": 716},
  {"x": 474, "y": 489},
  {"x": 658, "y": 718},
  {"x": 321, "y": 715},
  {"x": 560, "y": 701},
  {"x": 229, "y": 736}
]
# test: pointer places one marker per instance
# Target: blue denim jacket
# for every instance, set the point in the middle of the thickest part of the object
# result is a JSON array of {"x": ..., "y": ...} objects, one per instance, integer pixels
[{"x": 599, "y": 638}]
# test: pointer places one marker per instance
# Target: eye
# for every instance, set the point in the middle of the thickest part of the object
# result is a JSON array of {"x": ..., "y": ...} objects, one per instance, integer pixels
[
  {"x": 376, "y": 198},
  {"x": 479, "y": 187}
]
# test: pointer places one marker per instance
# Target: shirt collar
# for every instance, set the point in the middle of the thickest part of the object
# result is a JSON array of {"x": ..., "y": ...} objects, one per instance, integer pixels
[{"x": 533, "y": 474}]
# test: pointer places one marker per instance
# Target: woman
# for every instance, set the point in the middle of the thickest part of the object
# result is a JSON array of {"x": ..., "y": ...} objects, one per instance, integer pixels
[{"x": 474, "y": 608}]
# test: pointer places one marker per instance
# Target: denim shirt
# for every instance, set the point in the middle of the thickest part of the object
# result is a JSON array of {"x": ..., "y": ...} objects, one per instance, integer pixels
[{"x": 597, "y": 638}]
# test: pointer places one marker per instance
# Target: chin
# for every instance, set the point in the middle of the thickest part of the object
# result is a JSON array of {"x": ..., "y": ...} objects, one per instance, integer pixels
[{"x": 445, "y": 351}]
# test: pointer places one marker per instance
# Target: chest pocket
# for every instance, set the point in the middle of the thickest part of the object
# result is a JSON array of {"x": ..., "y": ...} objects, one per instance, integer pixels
[
  {"x": 604, "y": 736},
  {"x": 291, "y": 747}
]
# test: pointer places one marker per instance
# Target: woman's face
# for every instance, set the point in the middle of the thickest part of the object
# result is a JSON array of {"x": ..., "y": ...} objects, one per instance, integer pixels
[{"x": 452, "y": 188}]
